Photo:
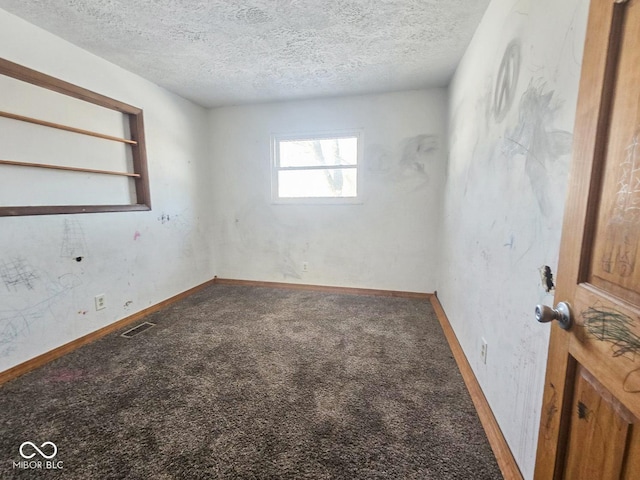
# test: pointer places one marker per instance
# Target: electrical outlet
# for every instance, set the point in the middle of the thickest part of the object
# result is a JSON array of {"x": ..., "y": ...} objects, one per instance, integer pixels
[
  {"x": 305, "y": 267},
  {"x": 101, "y": 302},
  {"x": 483, "y": 351}
]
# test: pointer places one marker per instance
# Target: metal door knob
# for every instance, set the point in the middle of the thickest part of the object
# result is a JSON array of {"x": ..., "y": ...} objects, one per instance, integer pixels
[{"x": 562, "y": 313}]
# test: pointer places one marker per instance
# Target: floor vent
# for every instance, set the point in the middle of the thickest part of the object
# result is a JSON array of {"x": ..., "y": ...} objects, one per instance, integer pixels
[{"x": 139, "y": 329}]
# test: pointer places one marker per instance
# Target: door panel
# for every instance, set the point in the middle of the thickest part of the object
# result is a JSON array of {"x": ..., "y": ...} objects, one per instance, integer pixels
[
  {"x": 632, "y": 466},
  {"x": 599, "y": 424},
  {"x": 615, "y": 265},
  {"x": 606, "y": 340},
  {"x": 589, "y": 428}
]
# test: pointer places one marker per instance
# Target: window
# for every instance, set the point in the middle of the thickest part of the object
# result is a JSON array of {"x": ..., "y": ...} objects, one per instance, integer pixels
[{"x": 317, "y": 168}]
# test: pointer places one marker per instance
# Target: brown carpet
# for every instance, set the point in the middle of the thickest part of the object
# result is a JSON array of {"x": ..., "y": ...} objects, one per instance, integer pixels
[{"x": 255, "y": 383}]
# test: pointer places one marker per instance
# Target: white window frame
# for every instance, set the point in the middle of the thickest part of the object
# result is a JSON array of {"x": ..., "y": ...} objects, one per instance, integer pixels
[{"x": 276, "y": 168}]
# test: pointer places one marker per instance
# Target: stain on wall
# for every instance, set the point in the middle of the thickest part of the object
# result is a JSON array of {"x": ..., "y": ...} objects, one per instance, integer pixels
[
  {"x": 411, "y": 160},
  {"x": 417, "y": 153},
  {"x": 276, "y": 241},
  {"x": 379, "y": 159}
]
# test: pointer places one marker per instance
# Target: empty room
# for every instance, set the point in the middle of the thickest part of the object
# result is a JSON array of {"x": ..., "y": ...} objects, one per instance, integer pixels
[{"x": 352, "y": 239}]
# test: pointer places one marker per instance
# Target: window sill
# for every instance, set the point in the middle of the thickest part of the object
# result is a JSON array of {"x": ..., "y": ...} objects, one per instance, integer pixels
[{"x": 321, "y": 201}]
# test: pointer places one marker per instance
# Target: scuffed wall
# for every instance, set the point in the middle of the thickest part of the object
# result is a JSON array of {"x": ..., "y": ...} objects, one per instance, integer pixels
[
  {"x": 52, "y": 267},
  {"x": 389, "y": 241},
  {"x": 511, "y": 114},
  {"x": 480, "y": 232}
]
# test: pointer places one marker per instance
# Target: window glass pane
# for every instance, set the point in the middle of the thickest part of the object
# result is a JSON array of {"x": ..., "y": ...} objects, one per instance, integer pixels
[
  {"x": 319, "y": 152},
  {"x": 317, "y": 183}
]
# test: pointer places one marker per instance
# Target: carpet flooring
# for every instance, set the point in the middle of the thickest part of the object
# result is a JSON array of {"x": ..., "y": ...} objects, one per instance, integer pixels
[{"x": 254, "y": 383}]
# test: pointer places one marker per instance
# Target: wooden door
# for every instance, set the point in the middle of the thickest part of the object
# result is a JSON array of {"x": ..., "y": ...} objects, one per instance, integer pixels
[{"x": 589, "y": 427}]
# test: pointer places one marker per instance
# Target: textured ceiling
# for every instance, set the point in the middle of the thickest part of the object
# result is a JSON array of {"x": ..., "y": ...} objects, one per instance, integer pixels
[{"x": 225, "y": 52}]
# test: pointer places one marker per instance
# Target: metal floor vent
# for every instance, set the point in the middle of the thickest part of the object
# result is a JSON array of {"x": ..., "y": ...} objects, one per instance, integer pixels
[{"x": 132, "y": 332}]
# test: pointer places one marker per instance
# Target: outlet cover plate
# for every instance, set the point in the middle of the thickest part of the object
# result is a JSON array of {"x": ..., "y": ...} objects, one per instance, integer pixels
[
  {"x": 483, "y": 351},
  {"x": 101, "y": 303}
]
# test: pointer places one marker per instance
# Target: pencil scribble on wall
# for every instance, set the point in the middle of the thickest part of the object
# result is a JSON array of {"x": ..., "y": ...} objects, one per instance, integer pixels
[
  {"x": 615, "y": 328},
  {"x": 14, "y": 323},
  {"x": 17, "y": 274},
  {"x": 507, "y": 81},
  {"x": 74, "y": 244},
  {"x": 537, "y": 140},
  {"x": 523, "y": 368},
  {"x": 33, "y": 296}
]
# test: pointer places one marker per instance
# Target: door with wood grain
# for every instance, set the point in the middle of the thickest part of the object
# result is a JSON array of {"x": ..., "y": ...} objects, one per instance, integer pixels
[{"x": 590, "y": 422}]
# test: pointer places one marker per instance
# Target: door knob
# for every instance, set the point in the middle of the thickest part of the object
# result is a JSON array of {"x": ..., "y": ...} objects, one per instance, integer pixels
[{"x": 561, "y": 313}]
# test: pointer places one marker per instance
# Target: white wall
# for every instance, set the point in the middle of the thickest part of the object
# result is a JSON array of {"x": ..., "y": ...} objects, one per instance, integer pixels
[
  {"x": 504, "y": 197},
  {"x": 136, "y": 259},
  {"x": 389, "y": 241},
  {"x": 210, "y": 185}
]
